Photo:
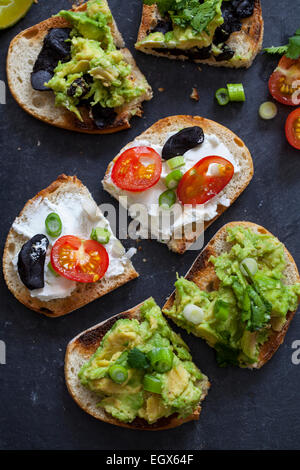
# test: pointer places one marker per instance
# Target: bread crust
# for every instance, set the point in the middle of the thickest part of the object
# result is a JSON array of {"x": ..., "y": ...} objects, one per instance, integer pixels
[
  {"x": 202, "y": 273},
  {"x": 83, "y": 293},
  {"x": 83, "y": 346},
  {"x": 63, "y": 118},
  {"x": 237, "y": 146},
  {"x": 251, "y": 34}
]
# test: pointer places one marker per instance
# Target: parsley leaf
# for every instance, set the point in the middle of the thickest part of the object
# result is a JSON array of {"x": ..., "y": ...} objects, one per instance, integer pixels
[
  {"x": 291, "y": 50},
  {"x": 137, "y": 359}
]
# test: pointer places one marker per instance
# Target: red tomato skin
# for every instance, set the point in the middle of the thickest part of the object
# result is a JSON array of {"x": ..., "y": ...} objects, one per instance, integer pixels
[
  {"x": 289, "y": 129},
  {"x": 210, "y": 192},
  {"x": 284, "y": 63},
  {"x": 75, "y": 275},
  {"x": 134, "y": 154}
]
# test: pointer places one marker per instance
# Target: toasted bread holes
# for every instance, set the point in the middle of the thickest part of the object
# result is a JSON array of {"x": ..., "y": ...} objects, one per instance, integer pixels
[{"x": 38, "y": 102}]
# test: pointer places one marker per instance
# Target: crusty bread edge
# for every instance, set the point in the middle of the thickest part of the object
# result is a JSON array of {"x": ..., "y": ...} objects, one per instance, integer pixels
[
  {"x": 89, "y": 341},
  {"x": 69, "y": 118},
  {"x": 201, "y": 265},
  {"x": 252, "y": 27},
  {"x": 75, "y": 301},
  {"x": 180, "y": 246}
]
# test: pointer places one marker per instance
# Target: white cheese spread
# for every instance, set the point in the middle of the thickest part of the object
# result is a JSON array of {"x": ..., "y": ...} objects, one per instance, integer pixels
[
  {"x": 79, "y": 215},
  {"x": 149, "y": 198}
]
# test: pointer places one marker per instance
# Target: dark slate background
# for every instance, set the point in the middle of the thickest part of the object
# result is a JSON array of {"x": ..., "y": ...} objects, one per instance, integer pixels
[{"x": 244, "y": 409}]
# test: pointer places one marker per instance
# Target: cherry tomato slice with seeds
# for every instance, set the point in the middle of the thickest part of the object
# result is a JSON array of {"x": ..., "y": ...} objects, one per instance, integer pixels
[
  {"x": 292, "y": 128},
  {"x": 79, "y": 260},
  {"x": 137, "y": 169},
  {"x": 282, "y": 80},
  {"x": 197, "y": 187}
]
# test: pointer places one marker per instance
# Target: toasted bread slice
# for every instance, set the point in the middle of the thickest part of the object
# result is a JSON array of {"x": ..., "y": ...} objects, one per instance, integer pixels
[
  {"x": 81, "y": 348},
  {"x": 246, "y": 43},
  {"x": 202, "y": 273},
  {"x": 83, "y": 293},
  {"x": 158, "y": 134},
  {"x": 22, "y": 54}
]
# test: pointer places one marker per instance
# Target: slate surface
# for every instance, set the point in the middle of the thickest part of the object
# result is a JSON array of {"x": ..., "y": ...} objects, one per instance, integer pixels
[{"x": 244, "y": 409}]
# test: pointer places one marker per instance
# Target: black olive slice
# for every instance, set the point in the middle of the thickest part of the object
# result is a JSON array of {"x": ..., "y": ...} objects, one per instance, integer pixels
[
  {"x": 195, "y": 53},
  {"x": 226, "y": 54},
  {"x": 39, "y": 78},
  {"x": 103, "y": 117},
  {"x": 221, "y": 35},
  {"x": 79, "y": 85},
  {"x": 56, "y": 40},
  {"x": 163, "y": 26},
  {"x": 183, "y": 141},
  {"x": 31, "y": 262},
  {"x": 54, "y": 49},
  {"x": 243, "y": 8}
]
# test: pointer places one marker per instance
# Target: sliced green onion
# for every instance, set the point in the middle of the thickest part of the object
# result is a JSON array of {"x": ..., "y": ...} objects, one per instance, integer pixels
[
  {"x": 236, "y": 92},
  {"x": 50, "y": 267},
  {"x": 221, "y": 310},
  {"x": 53, "y": 225},
  {"x": 251, "y": 264},
  {"x": 267, "y": 110},
  {"x": 152, "y": 384},
  {"x": 167, "y": 199},
  {"x": 101, "y": 235},
  {"x": 193, "y": 314},
  {"x": 173, "y": 178},
  {"x": 222, "y": 96},
  {"x": 118, "y": 374},
  {"x": 161, "y": 359},
  {"x": 175, "y": 162}
]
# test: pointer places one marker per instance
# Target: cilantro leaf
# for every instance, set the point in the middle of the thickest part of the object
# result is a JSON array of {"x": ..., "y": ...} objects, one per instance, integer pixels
[
  {"x": 137, "y": 359},
  {"x": 186, "y": 13},
  {"x": 276, "y": 50},
  {"x": 291, "y": 50}
]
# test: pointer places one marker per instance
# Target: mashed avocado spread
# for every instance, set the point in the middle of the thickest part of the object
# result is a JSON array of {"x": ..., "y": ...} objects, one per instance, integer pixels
[
  {"x": 193, "y": 24},
  {"x": 97, "y": 71},
  {"x": 143, "y": 369},
  {"x": 250, "y": 302}
]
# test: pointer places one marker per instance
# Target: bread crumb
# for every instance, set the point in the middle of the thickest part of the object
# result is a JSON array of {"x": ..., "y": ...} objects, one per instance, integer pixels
[
  {"x": 140, "y": 248},
  {"x": 38, "y": 143},
  {"x": 194, "y": 95},
  {"x": 200, "y": 69},
  {"x": 161, "y": 89},
  {"x": 144, "y": 260}
]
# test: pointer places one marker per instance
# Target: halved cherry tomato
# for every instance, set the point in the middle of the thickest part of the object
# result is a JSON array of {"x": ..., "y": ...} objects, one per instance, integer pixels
[
  {"x": 196, "y": 187},
  {"x": 282, "y": 79},
  {"x": 137, "y": 169},
  {"x": 292, "y": 128},
  {"x": 79, "y": 260}
]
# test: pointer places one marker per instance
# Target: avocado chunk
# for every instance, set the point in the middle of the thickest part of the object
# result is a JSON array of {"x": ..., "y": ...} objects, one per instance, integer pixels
[
  {"x": 93, "y": 59},
  {"x": 161, "y": 378},
  {"x": 239, "y": 316}
]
